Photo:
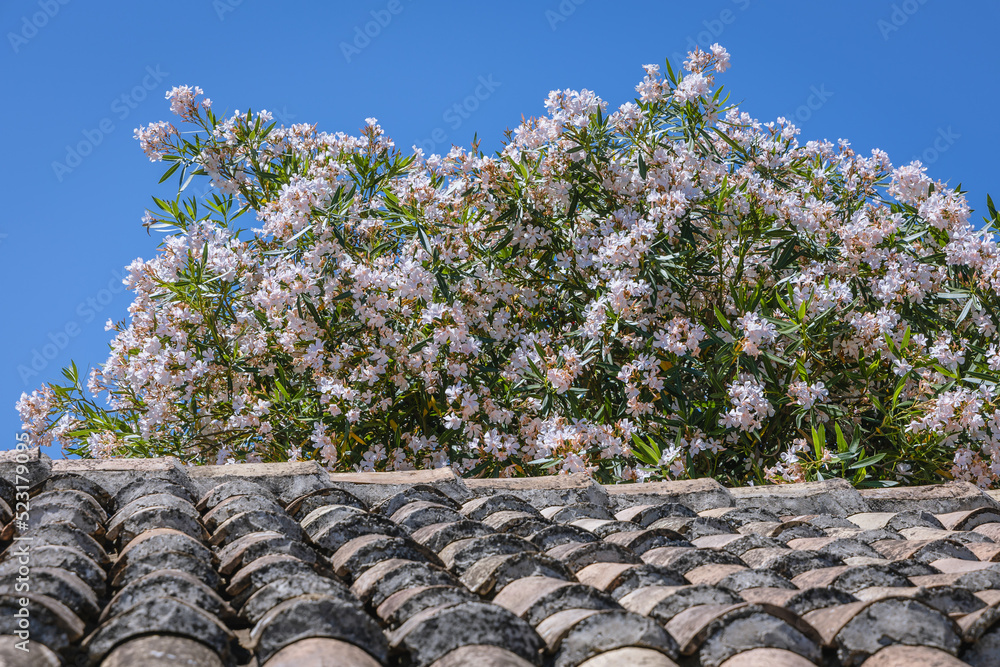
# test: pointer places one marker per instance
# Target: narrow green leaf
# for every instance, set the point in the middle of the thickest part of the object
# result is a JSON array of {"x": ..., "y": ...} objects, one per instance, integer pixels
[
  {"x": 817, "y": 443},
  {"x": 169, "y": 172},
  {"x": 865, "y": 462},
  {"x": 841, "y": 440}
]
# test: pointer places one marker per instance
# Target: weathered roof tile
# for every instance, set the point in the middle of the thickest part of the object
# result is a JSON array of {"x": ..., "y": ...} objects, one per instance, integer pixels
[
  {"x": 937, "y": 498},
  {"x": 433, "y": 633},
  {"x": 901, "y": 655},
  {"x": 291, "y": 586},
  {"x": 834, "y": 496},
  {"x": 417, "y": 492},
  {"x": 162, "y": 615},
  {"x": 662, "y": 603},
  {"x": 317, "y": 615},
  {"x": 537, "y": 598},
  {"x": 162, "y": 651},
  {"x": 408, "y": 602},
  {"x": 696, "y": 494},
  {"x": 447, "y": 572},
  {"x": 548, "y": 491},
  {"x": 578, "y": 635},
  {"x": 389, "y": 576},
  {"x": 321, "y": 652}
]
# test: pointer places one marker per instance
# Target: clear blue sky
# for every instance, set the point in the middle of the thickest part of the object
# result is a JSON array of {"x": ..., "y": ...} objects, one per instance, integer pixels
[{"x": 914, "y": 78}]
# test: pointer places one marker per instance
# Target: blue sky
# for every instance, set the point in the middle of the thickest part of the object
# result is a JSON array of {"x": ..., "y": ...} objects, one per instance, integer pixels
[{"x": 916, "y": 78}]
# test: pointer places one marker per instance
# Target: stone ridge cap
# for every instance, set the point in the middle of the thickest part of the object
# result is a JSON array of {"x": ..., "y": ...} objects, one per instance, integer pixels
[
  {"x": 834, "y": 496},
  {"x": 571, "y": 480}
]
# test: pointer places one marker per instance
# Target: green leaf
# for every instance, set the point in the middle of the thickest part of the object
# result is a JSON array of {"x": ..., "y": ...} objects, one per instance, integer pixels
[
  {"x": 169, "y": 172},
  {"x": 643, "y": 452},
  {"x": 725, "y": 137},
  {"x": 502, "y": 243},
  {"x": 722, "y": 319},
  {"x": 443, "y": 285},
  {"x": 865, "y": 462},
  {"x": 424, "y": 241},
  {"x": 819, "y": 440},
  {"x": 965, "y": 311},
  {"x": 899, "y": 388},
  {"x": 841, "y": 440}
]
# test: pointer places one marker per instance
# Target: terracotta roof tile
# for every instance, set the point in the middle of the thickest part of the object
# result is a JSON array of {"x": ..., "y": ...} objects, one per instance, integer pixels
[
  {"x": 631, "y": 656},
  {"x": 317, "y": 615},
  {"x": 963, "y": 537},
  {"x": 278, "y": 564},
  {"x": 439, "y": 535},
  {"x": 494, "y": 572},
  {"x": 990, "y": 530},
  {"x": 161, "y": 651},
  {"x": 798, "y": 601},
  {"x": 408, "y": 602},
  {"x": 713, "y": 573},
  {"x": 641, "y": 541},
  {"x": 389, "y": 576},
  {"x": 603, "y": 528},
  {"x": 522, "y": 524},
  {"x": 859, "y": 629},
  {"x": 291, "y": 586},
  {"x": 950, "y": 600},
  {"x": 576, "y": 635},
  {"x": 740, "y": 580},
  {"x": 647, "y": 514},
  {"x": 988, "y": 551},
  {"x": 718, "y": 632},
  {"x": 908, "y": 656},
  {"x": 52, "y": 623},
  {"x": 433, "y": 633},
  {"x": 482, "y": 656},
  {"x": 317, "y": 652},
  {"x": 416, "y": 493},
  {"x": 664, "y": 602},
  {"x": 772, "y": 657}
]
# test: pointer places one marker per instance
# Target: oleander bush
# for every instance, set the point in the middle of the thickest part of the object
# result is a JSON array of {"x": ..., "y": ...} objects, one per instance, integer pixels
[{"x": 669, "y": 290}]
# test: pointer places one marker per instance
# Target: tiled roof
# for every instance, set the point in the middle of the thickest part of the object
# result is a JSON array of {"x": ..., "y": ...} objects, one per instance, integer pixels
[{"x": 148, "y": 562}]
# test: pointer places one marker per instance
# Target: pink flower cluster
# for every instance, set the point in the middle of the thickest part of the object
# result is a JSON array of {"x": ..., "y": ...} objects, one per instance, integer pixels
[{"x": 674, "y": 273}]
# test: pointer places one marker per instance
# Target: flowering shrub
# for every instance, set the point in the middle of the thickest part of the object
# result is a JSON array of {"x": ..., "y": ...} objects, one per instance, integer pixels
[{"x": 673, "y": 289}]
